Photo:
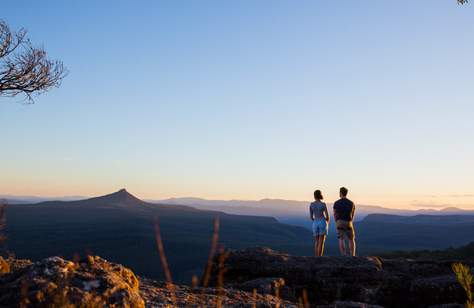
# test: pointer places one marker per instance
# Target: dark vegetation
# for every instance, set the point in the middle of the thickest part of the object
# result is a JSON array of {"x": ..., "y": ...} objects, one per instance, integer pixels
[{"x": 465, "y": 252}]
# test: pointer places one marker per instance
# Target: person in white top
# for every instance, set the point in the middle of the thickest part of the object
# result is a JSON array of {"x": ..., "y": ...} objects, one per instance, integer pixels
[{"x": 318, "y": 213}]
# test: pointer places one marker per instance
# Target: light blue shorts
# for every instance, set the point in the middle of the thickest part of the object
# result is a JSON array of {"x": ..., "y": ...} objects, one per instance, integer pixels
[{"x": 320, "y": 227}]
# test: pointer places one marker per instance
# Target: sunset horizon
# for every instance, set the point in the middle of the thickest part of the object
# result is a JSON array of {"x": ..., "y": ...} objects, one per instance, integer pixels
[{"x": 414, "y": 202}]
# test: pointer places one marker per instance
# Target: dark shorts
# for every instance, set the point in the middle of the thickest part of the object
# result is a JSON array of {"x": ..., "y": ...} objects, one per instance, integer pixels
[{"x": 345, "y": 230}]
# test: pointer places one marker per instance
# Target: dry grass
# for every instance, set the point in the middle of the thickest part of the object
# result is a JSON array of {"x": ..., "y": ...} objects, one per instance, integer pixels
[
  {"x": 2, "y": 222},
  {"x": 254, "y": 297},
  {"x": 4, "y": 265},
  {"x": 164, "y": 262},
  {"x": 212, "y": 252},
  {"x": 210, "y": 258},
  {"x": 303, "y": 300},
  {"x": 220, "y": 275},
  {"x": 465, "y": 279}
]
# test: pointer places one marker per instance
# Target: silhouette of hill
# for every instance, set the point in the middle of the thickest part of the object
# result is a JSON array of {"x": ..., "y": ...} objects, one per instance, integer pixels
[{"x": 120, "y": 227}]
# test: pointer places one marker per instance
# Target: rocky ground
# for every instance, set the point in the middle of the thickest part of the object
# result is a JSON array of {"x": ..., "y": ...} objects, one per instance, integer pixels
[
  {"x": 327, "y": 280},
  {"x": 157, "y": 294},
  {"x": 252, "y": 278},
  {"x": 94, "y": 282}
]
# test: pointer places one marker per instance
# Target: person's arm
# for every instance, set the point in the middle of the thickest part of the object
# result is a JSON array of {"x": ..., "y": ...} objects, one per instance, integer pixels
[
  {"x": 326, "y": 213},
  {"x": 334, "y": 211},
  {"x": 353, "y": 211},
  {"x": 311, "y": 212}
]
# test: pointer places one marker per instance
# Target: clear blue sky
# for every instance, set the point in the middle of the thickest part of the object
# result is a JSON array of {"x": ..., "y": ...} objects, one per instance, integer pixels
[{"x": 248, "y": 99}]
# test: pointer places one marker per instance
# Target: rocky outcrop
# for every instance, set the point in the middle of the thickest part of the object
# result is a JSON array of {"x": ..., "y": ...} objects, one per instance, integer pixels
[
  {"x": 95, "y": 282},
  {"x": 253, "y": 278},
  {"x": 55, "y": 282},
  {"x": 328, "y": 280}
]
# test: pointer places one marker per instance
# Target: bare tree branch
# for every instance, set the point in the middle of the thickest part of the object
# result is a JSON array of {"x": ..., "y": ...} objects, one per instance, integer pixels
[{"x": 24, "y": 69}]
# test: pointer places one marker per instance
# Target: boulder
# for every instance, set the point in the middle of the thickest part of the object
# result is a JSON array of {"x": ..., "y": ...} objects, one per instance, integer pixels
[{"x": 55, "y": 282}]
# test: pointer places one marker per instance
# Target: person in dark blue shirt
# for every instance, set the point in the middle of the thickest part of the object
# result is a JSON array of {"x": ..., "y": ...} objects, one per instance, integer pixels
[{"x": 343, "y": 216}]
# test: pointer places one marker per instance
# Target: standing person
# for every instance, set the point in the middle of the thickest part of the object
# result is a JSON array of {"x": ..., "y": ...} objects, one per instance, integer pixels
[
  {"x": 344, "y": 215},
  {"x": 318, "y": 213}
]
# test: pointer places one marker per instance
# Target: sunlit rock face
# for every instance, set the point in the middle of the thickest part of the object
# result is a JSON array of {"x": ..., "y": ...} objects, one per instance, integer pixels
[{"x": 55, "y": 282}]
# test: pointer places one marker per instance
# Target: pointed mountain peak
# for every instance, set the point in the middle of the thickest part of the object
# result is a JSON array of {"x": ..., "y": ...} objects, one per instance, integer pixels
[
  {"x": 122, "y": 191},
  {"x": 121, "y": 195}
]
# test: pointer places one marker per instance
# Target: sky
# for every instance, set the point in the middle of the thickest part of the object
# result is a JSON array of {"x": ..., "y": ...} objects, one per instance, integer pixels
[{"x": 248, "y": 100}]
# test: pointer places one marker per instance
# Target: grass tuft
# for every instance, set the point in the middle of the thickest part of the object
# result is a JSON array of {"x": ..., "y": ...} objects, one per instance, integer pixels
[
  {"x": 164, "y": 262},
  {"x": 465, "y": 279},
  {"x": 4, "y": 265}
]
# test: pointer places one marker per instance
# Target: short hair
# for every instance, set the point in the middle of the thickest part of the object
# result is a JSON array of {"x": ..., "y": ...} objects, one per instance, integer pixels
[
  {"x": 343, "y": 191},
  {"x": 318, "y": 195}
]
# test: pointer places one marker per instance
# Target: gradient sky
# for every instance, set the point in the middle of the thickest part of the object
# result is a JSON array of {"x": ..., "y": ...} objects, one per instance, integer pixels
[{"x": 247, "y": 100}]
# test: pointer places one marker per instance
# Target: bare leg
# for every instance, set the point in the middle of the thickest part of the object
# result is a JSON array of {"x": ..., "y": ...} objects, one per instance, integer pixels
[
  {"x": 322, "y": 239},
  {"x": 316, "y": 245},
  {"x": 342, "y": 247},
  {"x": 318, "y": 249},
  {"x": 352, "y": 246}
]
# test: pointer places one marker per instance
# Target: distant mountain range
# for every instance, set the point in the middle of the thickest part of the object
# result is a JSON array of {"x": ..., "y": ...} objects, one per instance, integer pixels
[
  {"x": 286, "y": 211},
  {"x": 15, "y": 199},
  {"x": 278, "y": 208},
  {"x": 296, "y": 212}
]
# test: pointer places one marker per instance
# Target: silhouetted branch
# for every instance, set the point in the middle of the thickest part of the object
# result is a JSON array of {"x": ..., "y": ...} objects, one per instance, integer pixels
[{"x": 25, "y": 69}]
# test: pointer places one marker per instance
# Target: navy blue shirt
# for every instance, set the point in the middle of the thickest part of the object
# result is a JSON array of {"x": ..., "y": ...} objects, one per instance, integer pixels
[{"x": 344, "y": 209}]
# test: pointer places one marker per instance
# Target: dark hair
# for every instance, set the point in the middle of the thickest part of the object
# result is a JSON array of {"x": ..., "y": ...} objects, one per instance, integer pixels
[
  {"x": 343, "y": 191},
  {"x": 318, "y": 195}
]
